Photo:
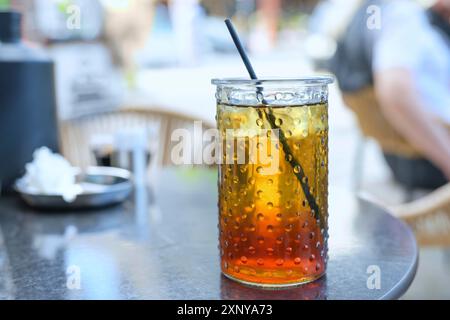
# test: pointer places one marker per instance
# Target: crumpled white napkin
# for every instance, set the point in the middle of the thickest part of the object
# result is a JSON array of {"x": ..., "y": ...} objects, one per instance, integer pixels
[{"x": 50, "y": 173}]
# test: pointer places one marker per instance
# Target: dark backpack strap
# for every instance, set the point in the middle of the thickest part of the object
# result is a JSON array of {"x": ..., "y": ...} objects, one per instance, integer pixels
[
  {"x": 352, "y": 62},
  {"x": 439, "y": 23}
]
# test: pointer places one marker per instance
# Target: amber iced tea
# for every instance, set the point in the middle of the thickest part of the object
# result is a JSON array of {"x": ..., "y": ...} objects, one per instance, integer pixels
[{"x": 269, "y": 235}]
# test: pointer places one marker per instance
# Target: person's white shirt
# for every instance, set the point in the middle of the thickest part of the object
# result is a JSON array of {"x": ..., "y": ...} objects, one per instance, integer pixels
[{"x": 408, "y": 40}]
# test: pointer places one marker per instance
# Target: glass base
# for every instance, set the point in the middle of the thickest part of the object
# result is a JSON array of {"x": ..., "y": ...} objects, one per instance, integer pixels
[{"x": 275, "y": 286}]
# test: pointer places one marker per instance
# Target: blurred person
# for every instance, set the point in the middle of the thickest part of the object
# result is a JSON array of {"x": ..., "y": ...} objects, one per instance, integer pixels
[
  {"x": 126, "y": 28},
  {"x": 265, "y": 34},
  {"x": 270, "y": 10},
  {"x": 405, "y": 56}
]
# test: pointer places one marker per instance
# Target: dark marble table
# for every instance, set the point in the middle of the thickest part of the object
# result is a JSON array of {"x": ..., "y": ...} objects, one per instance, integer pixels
[{"x": 163, "y": 245}]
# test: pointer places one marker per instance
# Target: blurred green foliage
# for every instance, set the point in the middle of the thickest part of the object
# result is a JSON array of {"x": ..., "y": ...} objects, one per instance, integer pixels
[
  {"x": 4, "y": 4},
  {"x": 196, "y": 174},
  {"x": 294, "y": 20},
  {"x": 62, "y": 6}
]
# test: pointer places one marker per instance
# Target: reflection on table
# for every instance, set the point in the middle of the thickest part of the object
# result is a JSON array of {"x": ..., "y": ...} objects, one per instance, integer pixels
[{"x": 162, "y": 244}]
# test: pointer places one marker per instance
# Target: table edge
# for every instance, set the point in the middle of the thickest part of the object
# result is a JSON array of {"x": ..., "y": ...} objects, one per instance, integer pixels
[{"x": 403, "y": 285}]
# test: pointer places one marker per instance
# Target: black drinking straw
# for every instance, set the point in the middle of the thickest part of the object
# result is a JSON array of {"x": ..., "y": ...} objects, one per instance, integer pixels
[{"x": 296, "y": 166}]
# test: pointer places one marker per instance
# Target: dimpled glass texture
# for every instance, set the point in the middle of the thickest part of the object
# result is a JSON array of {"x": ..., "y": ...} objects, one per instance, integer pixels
[{"x": 270, "y": 235}]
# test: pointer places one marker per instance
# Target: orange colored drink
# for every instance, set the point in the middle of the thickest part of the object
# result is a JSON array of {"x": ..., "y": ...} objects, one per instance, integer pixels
[{"x": 270, "y": 235}]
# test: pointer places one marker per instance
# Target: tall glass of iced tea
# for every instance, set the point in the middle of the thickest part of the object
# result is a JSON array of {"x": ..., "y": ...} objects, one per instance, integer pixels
[{"x": 273, "y": 179}]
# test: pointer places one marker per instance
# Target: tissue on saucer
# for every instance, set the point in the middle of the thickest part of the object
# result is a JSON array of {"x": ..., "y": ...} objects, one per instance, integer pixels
[{"x": 50, "y": 173}]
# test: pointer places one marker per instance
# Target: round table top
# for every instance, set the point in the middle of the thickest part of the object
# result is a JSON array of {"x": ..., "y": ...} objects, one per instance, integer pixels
[{"x": 162, "y": 244}]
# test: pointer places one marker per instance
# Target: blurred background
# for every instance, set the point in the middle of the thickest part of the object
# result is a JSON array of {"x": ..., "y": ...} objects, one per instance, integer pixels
[{"x": 161, "y": 55}]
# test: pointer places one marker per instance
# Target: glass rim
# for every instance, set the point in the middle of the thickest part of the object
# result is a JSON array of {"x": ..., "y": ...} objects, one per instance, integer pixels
[{"x": 301, "y": 81}]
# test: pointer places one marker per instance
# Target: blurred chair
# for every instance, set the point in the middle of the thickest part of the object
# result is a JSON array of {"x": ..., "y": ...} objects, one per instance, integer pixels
[
  {"x": 76, "y": 134},
  {"x": 429, "y": 216},
  {"x": 373, "y": 124}
]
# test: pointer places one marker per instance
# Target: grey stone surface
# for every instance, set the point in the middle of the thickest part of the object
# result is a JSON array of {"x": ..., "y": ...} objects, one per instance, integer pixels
[{"x": 163, "y": 245}]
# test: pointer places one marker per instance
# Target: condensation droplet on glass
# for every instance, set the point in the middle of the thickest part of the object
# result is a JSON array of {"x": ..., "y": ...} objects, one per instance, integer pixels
[
  {"x": 259, "y": 122},
  {"x": 249, "y": 208},
  {"x": 278, "y": 122},
  {"x": 288, "y": 204},
  {"x": 305, "y": 133}
]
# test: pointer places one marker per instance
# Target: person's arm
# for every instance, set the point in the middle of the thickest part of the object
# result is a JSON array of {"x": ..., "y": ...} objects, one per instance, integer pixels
[
  {"x": 404, "y": 108},
  {"x": 271, "y": 10}
]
